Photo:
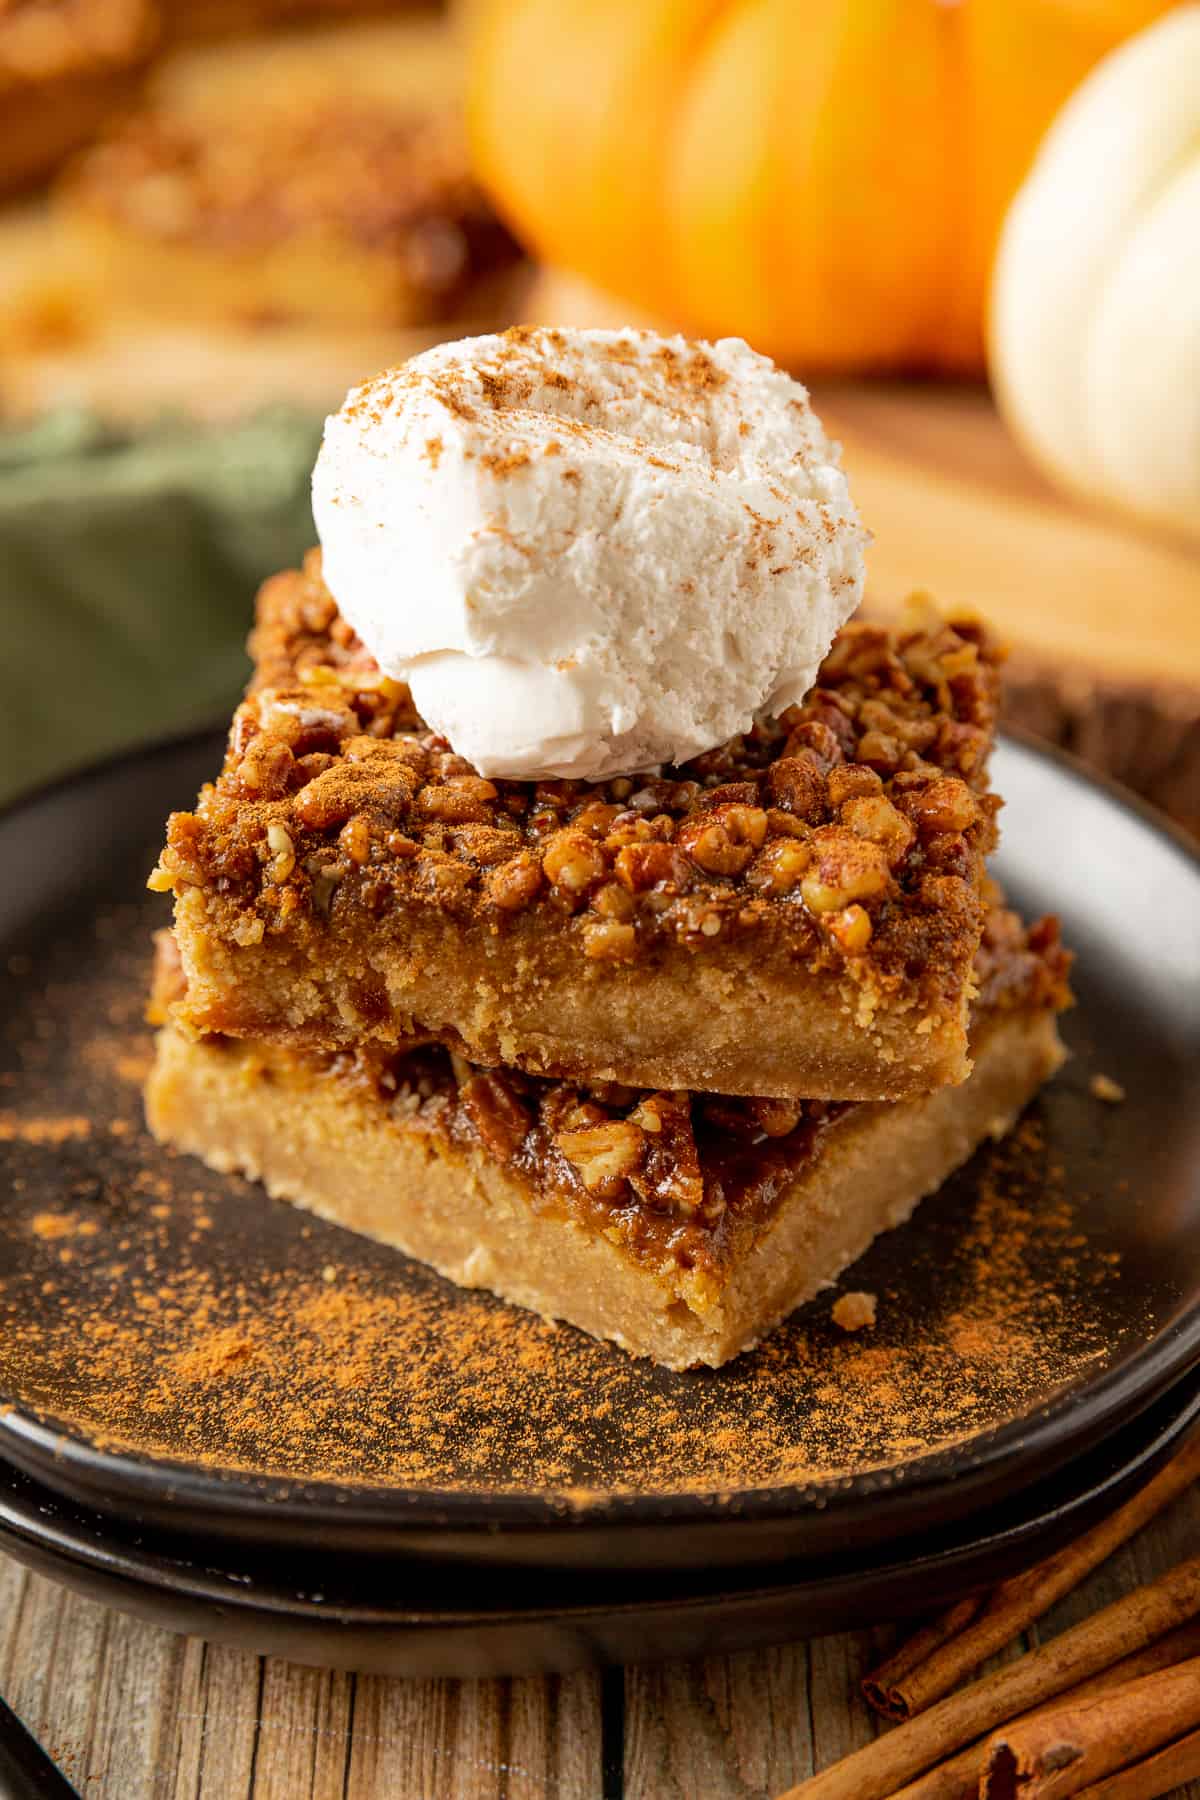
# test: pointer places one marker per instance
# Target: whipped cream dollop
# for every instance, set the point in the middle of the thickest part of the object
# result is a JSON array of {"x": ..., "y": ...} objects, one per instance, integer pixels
[{"x": 588, "y": 552}]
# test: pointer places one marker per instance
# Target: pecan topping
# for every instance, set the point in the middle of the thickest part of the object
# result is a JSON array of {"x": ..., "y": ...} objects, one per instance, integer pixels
[
  {"x": 846, "y": 809},
  {"x": 514, "y": 884},
  {"x": 944, "y": 804},
  {"x": 283, "y": 852},
  {"x": 874, "y": 817},
  {"x": 797, "y": 785},
  {"x": 641, "y": 867},
  {"x": 781, "y": 866},
  {"x": 610, "y": 940},
  {"x": 851, "y": 928},
  {"x": 465, "y": 799},
  {"x": 371, "y": 777},
  {"x": 266, "y": 768},
  {"x": 354, "y": 839}
]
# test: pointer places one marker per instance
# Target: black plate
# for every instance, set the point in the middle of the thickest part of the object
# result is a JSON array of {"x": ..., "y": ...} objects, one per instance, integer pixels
[
  {"x": 383, "y": 1616},
  {"x": 1049, "y": 1293}
]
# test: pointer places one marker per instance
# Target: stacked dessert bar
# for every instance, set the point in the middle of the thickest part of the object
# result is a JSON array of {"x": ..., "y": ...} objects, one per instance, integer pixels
[{"x": 660, "y": 1056}]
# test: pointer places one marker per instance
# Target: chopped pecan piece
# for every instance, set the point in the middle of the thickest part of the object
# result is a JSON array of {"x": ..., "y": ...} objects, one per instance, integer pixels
[
  {"x": 496, "y": 1113},
  {"x": 487, "y": 845},
  {"x": 640, "y": 867},
  {"x": 723, "y": 842},
  {"x": 851, "y": 928},
  {"x": 796, "y": 784},
  {"x": 573, "y": 861},
  {"x": 371, "y": 777},
  {"x": 604, "y": 1156},
  {"x": 610, "y": 940},
  {"x": 737, "y": 793},
  {"x": 850, "y": 782},
  {"x": 845, "y": 868},
  {"x": 776, "y": 1118},
  {"x": 872, "y": 816},
  {"x": 516, "y": 883},
  {"x": 780, "y": 867},
  {"x": 670, "y": 1173},
  {"x": 612, "y": 901},
  {"x": 826, "y": 730},
  {"x": 266, "y": 768},
  {"x": 283, "y": 851},
  {"x": 463, "y": 800},
  {"x": 943, "y": 804},
  {"x": 354, "y": 839}
]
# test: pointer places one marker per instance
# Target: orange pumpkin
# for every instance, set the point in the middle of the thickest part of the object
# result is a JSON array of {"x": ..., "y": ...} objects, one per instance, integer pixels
[{"x": 824, "y": 177}]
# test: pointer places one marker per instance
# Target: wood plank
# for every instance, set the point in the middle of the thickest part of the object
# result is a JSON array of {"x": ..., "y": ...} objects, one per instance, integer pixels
[
  {"x": 132, "y": 1712},
  {"x": 14, "y": 1585},
  {"x": 720, "y": 1728},
  {"x": 519, "y": 1740},
  {"x": 748, "y": 1727},
  {"x": 305, "y": 1722},
  {"x": 215, "y": 1727}
]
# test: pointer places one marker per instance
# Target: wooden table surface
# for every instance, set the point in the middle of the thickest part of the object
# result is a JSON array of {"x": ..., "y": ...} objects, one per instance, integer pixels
[{"x": 132, "y": 1712}]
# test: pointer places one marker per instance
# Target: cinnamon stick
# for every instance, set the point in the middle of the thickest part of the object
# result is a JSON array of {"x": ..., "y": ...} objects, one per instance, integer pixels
[
  {"x": 1159, "y": 1774},
  {"x": 904, "y": 1686},
  {"x": 1069, "y": 1747},
  {"x": 958, "y": 1779},
  {"x": 881, "y": 1689},
  {"x": 880, "y": 1768}
]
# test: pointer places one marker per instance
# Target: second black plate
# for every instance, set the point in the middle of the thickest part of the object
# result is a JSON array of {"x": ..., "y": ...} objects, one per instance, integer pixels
[{"x": 177, "y": 1347}]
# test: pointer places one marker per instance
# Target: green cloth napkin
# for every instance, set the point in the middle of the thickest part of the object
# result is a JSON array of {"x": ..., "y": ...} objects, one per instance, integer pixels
[{"x": 128, "y": 565}]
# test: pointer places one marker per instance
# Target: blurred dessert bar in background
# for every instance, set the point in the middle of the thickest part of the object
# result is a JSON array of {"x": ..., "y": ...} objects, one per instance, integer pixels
[
  {"x": 276, "y": 214},
  {"x": 192, "y": 19},
  {"x": 353, "y": 211},
  {"x": 65, "y": 67}
]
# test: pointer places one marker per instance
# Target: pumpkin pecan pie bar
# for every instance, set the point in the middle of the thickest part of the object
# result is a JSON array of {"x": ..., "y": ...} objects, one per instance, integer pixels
[
  {"x": 65, "y": 66},
  {"x": 682, "y": 1225},
  {"x": 347, "y": 211},
  {"x": 795, "y": 913}
]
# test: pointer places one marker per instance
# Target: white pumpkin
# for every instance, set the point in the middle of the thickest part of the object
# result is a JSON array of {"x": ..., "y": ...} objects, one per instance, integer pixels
[{"x": 1094, "y": 342}]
